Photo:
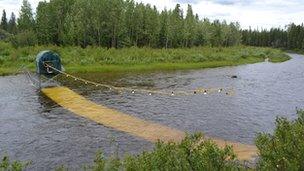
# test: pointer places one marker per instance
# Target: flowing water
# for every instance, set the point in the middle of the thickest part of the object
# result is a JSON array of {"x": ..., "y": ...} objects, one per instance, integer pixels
[{"x": 33, "y": 128}]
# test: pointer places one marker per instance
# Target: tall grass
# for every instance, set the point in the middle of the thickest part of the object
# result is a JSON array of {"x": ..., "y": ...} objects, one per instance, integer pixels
[{"x": 99, "y": 59}]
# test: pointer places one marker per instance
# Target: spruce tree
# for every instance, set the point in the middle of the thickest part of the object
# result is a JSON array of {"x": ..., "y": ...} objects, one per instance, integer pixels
[
  {"x": 12, "y": 25},
  {"x": 3, "y": 24}
]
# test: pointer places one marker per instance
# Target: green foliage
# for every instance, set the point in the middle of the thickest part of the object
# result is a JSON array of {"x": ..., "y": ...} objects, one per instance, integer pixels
[
  {"x": 292, "y": 38},
  {"x": 193, "y": 153},
  {"x": 26, "y": 20},
  {"x": 99, "y": 162},
  {"x": 25, "y": 38},
  {"x": 118, "y": 24},
  {"x": 98, "y": 59},
  {"x": 3, "y": 23},
  {"x": 125, "y": 23},
  {"x": 284, "y": 150},
  {"x": 12, "y": 25},
  {"x": 7, "y": 165},
  {"x": 4, "y": 35}
]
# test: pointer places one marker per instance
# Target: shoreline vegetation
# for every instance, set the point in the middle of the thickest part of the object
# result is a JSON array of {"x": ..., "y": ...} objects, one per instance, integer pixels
[
  {"x": 282, "y": 150},
  {"x": 98, "y": 59}
]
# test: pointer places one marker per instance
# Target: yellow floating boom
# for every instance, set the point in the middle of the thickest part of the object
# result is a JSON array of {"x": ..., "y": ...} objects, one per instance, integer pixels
[{"x": 126, "y": 123}]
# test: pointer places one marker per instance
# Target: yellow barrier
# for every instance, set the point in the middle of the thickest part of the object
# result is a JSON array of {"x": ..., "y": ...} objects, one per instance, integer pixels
[{"x": 126, "y": 123}]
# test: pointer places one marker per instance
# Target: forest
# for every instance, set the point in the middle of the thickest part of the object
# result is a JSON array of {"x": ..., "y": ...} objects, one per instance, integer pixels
[
  {"x": 125, "y": 23},
  {"x": 291, "y": 38},
  {"x": 114, "y": 23}
]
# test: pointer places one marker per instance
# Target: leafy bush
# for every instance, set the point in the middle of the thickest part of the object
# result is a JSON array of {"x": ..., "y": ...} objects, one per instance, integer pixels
[
  {"x": 284, "y": 150},
  {"x": 191, "y": 154},
  {"x": 26, "y": 38},
  {"x": 4, "y": 35}
]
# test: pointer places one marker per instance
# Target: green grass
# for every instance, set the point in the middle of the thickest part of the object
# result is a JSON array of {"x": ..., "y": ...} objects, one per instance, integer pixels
[
  {"x": 299, "y": 51},
  {"x": 7, "y": 165},
  {"x": 97, "y": 59},
  {"x": 158, "y": 66}
]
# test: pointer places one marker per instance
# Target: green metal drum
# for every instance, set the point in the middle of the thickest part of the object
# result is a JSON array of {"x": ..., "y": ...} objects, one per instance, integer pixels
[{"x": 48, "y": 63}]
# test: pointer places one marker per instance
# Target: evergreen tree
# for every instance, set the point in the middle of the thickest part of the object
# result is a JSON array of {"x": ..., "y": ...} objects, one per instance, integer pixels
[
  {"x": 12, "y": 25},
  {"x": 26, "y": 19},
  {"x": 291, "y": 38},
  {"x": 190, "y": 27},
  {"x": 3, "y": 24}
]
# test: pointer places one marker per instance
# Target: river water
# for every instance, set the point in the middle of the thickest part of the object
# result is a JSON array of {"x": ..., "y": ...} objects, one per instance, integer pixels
[{"x": 33, "y": 128}]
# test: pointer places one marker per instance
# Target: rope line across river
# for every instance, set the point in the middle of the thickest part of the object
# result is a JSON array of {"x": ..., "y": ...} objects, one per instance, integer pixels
[{"x": 205, "y": 91}]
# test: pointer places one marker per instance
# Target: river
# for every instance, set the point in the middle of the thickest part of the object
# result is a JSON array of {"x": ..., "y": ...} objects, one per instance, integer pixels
[{"x": 33, "y": 128}]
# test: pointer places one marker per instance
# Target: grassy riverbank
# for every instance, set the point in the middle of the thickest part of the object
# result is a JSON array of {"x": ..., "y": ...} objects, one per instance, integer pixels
[{"x": 96, "y": 59}]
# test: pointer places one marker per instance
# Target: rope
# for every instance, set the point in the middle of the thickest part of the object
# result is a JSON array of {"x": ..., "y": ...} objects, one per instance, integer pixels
[
  {"x": 32, "y": 80},
  {"x": 145, "y": 91}
]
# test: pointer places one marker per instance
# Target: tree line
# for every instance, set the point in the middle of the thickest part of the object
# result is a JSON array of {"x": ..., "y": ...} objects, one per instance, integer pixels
[
  {"x": 290, "y": 38},
  {"x": 116, "y": 23},
  {"x": 125, "y": 23}
]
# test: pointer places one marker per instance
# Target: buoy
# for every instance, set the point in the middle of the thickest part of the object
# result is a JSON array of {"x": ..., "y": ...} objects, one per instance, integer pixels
[{"x": 205, "y": 92}]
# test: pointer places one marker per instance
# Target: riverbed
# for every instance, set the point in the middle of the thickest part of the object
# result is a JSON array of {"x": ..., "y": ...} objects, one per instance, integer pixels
[{"x": 33, "y": 128}]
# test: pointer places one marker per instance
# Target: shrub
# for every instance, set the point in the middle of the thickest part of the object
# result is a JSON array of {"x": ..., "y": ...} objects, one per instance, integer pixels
[
  {"x": 26, "y": 38},
  {"x": 4, "y": 35},
  {"x": 191, "y": 154},
  {"x": 284, "y": 150}
]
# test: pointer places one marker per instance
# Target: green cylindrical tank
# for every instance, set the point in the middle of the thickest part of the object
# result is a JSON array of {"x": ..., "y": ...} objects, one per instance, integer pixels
[{"x": 45, "y": 59}]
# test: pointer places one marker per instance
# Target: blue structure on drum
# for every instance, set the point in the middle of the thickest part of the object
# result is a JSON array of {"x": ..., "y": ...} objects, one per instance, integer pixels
[{"x": 48, "y": 64}]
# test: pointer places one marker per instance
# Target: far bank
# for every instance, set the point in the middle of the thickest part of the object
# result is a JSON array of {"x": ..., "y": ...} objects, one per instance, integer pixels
[{"x": 97, "y": 59}]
